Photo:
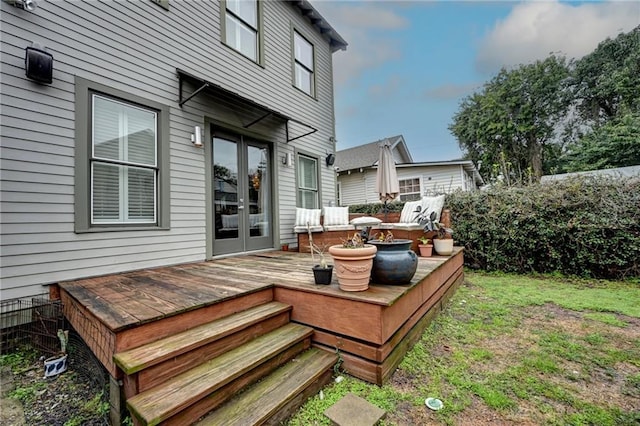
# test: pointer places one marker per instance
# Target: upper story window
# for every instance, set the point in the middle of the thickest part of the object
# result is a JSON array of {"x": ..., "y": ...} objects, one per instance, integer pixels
[
  {"x": 409, "y": 189},
  {"x": 242, "y": 30},
  {"x": 303, "y": 72},
  {"x": 122, "y": 161},
  {"x": 307, "y": 182}
]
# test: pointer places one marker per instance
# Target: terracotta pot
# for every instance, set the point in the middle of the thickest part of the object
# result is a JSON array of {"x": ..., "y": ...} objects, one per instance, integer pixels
[
  {"x": 426, "y": 250},
  {"x": 443, "y": 247},
  {"x": 353, "y": 266}
]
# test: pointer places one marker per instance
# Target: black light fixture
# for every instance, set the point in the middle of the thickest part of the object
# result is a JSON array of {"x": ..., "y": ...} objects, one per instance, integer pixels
[
  {"x": 38, "y": 64},
  {"x": 331, "y": 158}
]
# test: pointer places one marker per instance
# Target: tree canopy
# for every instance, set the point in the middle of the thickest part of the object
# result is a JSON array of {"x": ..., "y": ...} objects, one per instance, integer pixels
[
  {"x": 556, "y": 115},
  {"x": 514, "y": 117}
]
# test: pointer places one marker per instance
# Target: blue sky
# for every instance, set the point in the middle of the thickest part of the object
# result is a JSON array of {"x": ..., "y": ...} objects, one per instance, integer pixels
[{"x": 409, "y": 64}]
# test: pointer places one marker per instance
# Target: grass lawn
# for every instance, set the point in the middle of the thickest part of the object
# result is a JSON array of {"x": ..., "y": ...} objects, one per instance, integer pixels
[{"x": 512, "y": 349}]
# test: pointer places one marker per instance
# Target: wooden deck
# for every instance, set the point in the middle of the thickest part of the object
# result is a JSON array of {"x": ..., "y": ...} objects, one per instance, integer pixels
[{"x": 373, "y": 329}]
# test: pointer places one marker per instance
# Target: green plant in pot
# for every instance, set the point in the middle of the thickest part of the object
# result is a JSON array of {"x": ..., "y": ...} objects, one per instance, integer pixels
[
  {"x": 353, "y": 261},
  {"x": 441, "y": 235},
  {"x": 322, "y": 272},
  {"x": 425, "y": 246}
]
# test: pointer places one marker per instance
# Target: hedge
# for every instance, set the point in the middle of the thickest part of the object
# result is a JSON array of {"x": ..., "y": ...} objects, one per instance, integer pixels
[{"x": 583, "y": 226}]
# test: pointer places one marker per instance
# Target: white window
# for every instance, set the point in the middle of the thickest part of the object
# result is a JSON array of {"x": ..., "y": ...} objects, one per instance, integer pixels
[
  {"x": 307, "y": 182},
  {"x": 409, "y": 189},
  {"x": 123, "y": 163},
  {"x": 303, "y": 64},
  {"x": 241, "y": 27}
]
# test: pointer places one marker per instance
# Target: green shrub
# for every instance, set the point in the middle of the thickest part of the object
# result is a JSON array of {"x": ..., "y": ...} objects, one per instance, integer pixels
[
  {"x": 375, "y": 208},
  {"x": 585, "y": 226}
]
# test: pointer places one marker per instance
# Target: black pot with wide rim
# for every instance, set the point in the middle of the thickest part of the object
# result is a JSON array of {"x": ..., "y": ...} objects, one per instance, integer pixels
[
  {"x": 395, "y": 262},
  {"x": 322, "y": 275}
]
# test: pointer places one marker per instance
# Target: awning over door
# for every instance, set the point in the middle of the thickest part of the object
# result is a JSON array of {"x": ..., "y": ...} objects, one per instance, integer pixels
[{"x": 261, "y": 111}]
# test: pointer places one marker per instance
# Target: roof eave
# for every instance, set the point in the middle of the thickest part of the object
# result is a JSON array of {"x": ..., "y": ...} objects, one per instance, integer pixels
[{"x": 317, "y": 20}]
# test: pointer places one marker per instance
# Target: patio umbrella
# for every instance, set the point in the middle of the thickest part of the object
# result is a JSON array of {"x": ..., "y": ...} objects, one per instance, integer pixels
[{"x": 387, "y": 178}]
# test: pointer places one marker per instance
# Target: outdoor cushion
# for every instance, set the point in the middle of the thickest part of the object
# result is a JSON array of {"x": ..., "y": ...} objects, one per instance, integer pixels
[
  {"x": 307, "y": 220},
  {"x": 433, "y": 204},
  {"x": 408, "y": 214},
  {"x": 346, "y": 227},
  {"x": 336, "y": 216},
  {"x": 306, "y": 217},
  {"x": 365, "y": 220}
]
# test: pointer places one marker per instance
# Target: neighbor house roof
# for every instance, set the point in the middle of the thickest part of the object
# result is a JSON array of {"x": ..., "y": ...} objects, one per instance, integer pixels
[
  {"x": 308, "y": 11},
  {"x": 367, "y": 155}
]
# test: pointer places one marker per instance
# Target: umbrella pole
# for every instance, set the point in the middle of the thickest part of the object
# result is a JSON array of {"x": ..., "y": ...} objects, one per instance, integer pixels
[{"x": 386, "y": 211}]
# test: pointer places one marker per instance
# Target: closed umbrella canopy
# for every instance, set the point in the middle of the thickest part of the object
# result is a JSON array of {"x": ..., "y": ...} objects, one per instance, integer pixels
[{"x": 387, "y": 178}]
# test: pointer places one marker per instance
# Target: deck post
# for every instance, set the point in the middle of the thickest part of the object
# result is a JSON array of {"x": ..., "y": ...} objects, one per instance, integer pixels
[{"x": 116, "y": 401}]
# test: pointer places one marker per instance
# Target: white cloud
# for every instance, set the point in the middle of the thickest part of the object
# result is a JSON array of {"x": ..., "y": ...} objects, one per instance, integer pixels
[
  {"x": 450, "y": 91},
  {"x": 368, "y": 28},
  {"x": 534, "y": 29}
]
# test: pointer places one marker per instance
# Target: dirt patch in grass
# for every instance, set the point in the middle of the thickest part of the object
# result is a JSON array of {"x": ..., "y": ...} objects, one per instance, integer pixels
[{"x": 67, "y": 399}]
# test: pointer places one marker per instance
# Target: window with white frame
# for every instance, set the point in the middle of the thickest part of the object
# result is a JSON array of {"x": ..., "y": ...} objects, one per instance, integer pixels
[
  {"x": 241, "y": 27},
  {"x": 303, "y": 64},
  {"x": 123, "y": 163},
  {"x": 307, "y": 182},
  {"x": 409, "y": 189}
]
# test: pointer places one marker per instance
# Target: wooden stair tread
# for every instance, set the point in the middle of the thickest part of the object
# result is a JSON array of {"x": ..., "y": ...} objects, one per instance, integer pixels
[
  {"x": 136, "y": 359},
  {"x": 169, "y": 398},
  {"x": 258, "y": 403}
]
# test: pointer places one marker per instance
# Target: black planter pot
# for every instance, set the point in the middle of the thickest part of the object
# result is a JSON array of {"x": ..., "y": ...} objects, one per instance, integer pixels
[
  {"x": 395, "y": 262},
  {"x": 323, "y": 275}
]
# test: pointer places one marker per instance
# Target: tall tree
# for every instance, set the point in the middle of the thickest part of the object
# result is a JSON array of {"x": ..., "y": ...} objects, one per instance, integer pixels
[
  {"x": 608, "y": 79},
  {"x": 510, "y": 122},
  {"x": 614, "y": 144}
]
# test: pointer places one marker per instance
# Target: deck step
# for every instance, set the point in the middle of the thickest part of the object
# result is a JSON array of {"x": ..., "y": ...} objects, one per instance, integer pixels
[
  {"x": 134, "y": 360},
  {"x": 184, "y": 390},
  {"x": 281, "y": 392}
]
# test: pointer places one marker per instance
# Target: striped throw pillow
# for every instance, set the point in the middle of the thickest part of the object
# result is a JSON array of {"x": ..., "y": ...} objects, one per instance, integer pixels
[
  {"x": 336, "y": 216},
  {"x": 310, "y": 216}
]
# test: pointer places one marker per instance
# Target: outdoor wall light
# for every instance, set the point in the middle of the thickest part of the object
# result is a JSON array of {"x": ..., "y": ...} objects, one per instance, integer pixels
[
  {"x": 331, "y": 158},
  {"x": 196, "y": 137},
  {"x": 28, "y": 5},
  {"x": 287, "y": 160},
  {"x": 38, "y": 64}
]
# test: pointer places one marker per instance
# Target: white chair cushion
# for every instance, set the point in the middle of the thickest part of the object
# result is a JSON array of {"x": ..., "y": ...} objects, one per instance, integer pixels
[
  {"x": 433, "y": 204},
  {"x": 365, "y": 220},
  {"x": 339, "y": 227},
  {"x": 408, "y": 214},
  {"x": 336, "y": 216},
  {"x": 306, "y": 217}
]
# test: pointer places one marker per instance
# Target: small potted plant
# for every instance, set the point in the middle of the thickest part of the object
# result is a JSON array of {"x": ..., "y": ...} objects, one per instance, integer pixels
[
  {"x": 443, "y": 238},
  {"x": 425, "y": 246},
  {"x": 322, "y": 272}
]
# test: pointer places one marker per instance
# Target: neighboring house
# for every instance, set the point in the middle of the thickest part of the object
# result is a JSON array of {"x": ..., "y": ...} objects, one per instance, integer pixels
[
  {"x": 357, "y": 169},
  {"x": 163, "y": 123}
]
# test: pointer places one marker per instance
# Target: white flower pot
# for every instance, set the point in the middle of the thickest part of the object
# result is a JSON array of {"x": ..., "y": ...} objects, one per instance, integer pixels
[{"x": 443, "y": 247}]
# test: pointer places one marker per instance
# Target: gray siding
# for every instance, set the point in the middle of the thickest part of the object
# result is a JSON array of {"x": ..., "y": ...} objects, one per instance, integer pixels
[{"x": 136, "y": 47}]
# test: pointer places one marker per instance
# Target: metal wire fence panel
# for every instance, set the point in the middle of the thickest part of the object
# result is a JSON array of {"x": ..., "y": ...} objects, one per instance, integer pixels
[{"x": 34, "y": 321}]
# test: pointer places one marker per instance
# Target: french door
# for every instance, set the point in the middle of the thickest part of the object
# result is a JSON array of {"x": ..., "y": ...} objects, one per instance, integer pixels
[{"x": 242, "y": 184}]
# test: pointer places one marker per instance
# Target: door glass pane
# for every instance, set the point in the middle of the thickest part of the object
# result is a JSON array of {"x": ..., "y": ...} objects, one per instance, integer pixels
[
  {"x": 258, "y": 190},
  {"x": 225, "y": 188}
]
